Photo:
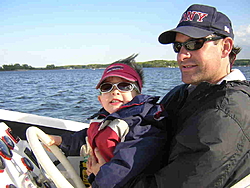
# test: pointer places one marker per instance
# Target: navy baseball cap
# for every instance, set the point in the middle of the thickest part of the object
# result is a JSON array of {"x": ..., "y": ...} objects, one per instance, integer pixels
[{"x": 199, "y": 21}]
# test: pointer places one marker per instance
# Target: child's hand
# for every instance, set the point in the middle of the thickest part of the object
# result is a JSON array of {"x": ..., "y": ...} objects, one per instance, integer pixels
[
  {"x": 88, "y": 171},
  {"x": 94, "y": 166},
  {"x": 54, "y": 140}
]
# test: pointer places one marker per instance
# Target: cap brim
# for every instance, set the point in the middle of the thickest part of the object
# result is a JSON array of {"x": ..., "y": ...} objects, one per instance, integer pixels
[{"x": 193, "y": 32}]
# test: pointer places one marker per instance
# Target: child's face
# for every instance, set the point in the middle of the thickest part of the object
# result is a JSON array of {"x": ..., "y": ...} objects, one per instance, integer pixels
[{"x": 112, "y": 101}]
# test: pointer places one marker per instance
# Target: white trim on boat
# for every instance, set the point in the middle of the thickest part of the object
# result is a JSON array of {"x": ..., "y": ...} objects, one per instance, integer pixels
[{"x": 20, "y": 117}]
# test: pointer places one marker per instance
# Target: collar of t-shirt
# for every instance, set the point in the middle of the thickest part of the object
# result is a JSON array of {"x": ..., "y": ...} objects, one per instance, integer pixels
[{"x": 235, "y": 74}]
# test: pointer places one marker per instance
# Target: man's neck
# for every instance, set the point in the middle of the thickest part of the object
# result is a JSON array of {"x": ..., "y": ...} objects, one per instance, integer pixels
[{"x": 235, "y": 74}]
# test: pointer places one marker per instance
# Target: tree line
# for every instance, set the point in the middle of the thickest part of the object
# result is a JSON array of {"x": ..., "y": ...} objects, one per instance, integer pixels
[{"x": 147, "y": 64}]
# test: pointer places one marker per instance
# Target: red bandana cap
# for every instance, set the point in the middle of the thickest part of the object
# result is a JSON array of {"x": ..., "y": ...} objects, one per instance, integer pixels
[{"x": 122, "y": 71}]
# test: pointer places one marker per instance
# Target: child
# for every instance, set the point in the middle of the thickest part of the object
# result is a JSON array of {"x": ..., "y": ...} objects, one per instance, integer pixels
[{"x": 128, "y": 118}]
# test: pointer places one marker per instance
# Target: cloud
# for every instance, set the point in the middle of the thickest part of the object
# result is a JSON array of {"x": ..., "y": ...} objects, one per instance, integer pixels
[{"x": 242, "y": 34}]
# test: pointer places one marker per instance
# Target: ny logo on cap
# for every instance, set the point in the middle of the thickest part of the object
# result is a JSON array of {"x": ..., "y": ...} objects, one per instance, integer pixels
[{"x": 190, "y": 15}]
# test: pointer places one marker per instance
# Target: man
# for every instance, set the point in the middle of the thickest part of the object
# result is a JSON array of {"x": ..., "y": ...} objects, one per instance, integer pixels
[
  {"x": 209, "y": 125},
  {"x": 211, "y": 138}
]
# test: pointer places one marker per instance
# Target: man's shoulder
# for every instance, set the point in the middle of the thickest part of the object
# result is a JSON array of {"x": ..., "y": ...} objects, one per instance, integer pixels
[
  {"x": 231, "y": 97},
  {"x": 239, "y": 85},
  {"x": 228, "y": 90},
  {"x": 234, "y": 88},
  {"x": 238, "y": 93}
]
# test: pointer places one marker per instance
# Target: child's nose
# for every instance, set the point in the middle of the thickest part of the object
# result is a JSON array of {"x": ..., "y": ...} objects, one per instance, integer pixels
[{"x": 115, "y": 91}]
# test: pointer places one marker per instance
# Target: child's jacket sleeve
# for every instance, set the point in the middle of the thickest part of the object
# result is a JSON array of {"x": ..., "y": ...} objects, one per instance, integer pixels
[{"x": 72, "y": 143}]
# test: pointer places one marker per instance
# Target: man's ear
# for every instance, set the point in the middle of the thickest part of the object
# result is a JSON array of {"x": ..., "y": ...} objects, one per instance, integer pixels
[{"x": 227, "y": 46}]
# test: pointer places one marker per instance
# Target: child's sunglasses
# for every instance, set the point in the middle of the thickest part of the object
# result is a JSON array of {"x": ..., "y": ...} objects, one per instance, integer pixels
[
  {"x": 121, "y": 86},
  {"x": 193, "y": 44}
]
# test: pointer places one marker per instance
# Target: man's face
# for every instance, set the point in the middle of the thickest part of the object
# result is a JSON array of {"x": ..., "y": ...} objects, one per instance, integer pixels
[{"x": 201, "y": 65}]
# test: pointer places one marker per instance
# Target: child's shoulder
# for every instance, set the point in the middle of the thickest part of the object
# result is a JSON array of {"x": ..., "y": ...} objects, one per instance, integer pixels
[{"x": 142, "y": 98}]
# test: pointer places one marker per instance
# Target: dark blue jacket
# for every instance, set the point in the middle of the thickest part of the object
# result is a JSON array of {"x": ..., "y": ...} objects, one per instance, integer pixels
[
  {"x": 209, "y": 144},
  {"x": 141, "y": 152}
]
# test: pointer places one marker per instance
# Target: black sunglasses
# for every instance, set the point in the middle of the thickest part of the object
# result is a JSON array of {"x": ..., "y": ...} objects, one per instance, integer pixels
[
  {"x": 193, "y": 44},
  {"x": 121, "y": 86}
]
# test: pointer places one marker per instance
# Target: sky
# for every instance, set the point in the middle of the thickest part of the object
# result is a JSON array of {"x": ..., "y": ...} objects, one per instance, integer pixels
[{"x": 80, "y": 32}]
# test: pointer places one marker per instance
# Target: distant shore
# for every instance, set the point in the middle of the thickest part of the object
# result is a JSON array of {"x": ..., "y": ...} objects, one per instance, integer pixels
[{"x": 147, "y": 64}]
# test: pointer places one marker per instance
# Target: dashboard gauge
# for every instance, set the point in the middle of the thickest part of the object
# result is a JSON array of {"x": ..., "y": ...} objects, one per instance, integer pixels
[
  {"x": 27, "y": 163},
  {"x": 8, "y": 142},
  {"x": 5, "y": 151},
  {"x": 2, "y": 164}
]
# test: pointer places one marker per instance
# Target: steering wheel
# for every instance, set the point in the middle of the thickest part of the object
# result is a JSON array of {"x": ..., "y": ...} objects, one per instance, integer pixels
[{"x": 35, "y": 134}]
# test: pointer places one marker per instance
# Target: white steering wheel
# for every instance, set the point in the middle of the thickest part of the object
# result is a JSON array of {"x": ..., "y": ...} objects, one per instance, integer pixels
[{"x": 35, "y": 134}]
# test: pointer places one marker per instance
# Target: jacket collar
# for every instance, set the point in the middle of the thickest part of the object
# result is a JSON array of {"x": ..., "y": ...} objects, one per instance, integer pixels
[{"x": 138, "y": 105}]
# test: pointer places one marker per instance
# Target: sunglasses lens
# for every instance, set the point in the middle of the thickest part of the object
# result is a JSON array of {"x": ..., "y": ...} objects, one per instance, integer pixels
[
  {"x": 106, "y": 87},
  {"x": 177, "y": 46},
  {"x": 194, "y": 44},
  {"x": 124, "y": 86}
]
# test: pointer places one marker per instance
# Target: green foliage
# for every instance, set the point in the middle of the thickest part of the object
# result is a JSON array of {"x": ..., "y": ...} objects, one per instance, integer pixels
[
  {"x": 154, "y": 63},
  {"x": 242, "y": 62},
  {"x": 51, "y": 66},
  {"x": 158, "y": 63},
  {"x": 16, "y": 66}
]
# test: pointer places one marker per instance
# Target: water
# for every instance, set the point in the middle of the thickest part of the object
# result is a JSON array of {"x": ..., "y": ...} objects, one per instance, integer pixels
[{"x": 71, "y": 94}]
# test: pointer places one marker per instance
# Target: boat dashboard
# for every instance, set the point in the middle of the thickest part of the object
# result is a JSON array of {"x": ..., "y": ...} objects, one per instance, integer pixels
[
  {"x": 23, "y": 165},
  {"x": 19, "y": 164}
]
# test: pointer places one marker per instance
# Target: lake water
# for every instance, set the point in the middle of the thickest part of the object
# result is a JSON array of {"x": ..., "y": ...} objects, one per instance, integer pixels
[{"x": 71, "y": 94}]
